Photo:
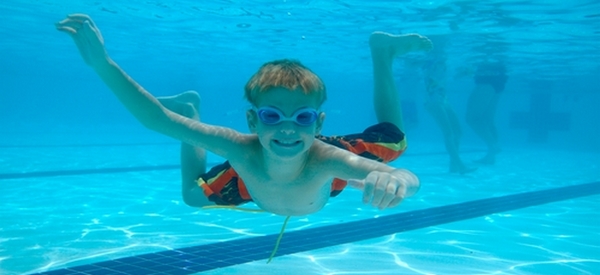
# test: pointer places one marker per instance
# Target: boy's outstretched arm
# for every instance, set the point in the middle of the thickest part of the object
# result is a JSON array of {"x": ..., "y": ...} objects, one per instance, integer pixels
[
  {"x": 136, "y": 99},
  {"x": 386, "y": 189},
  {"x": 383, "y": 186}
]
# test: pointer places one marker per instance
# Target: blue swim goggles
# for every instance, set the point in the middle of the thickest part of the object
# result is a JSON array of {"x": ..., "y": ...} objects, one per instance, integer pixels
[{"x": 273, "y": 116}]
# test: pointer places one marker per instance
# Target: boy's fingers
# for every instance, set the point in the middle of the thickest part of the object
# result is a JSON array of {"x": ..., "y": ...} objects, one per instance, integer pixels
[
  {"x": 70, "y": 21},
  {"x": 378, "y": 194},
  {"x": 381, "y": 182},
  {"x": 369, "y": 188},
  {"x": 386, "y": 200},
  {"x": 64, "y": 21},
  {"x": 68, "y": 30},
  {"x": 68, "y": 25},
  {"x": 400, "y": 193},
  {"x": 82, "y": 18},
  {"x": 79, "y": 16},
  {"x": 397, "y": 200},
  {"x": 368, "y": 192}
]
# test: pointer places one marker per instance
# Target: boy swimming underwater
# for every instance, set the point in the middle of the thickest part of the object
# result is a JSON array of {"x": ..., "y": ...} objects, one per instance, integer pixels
[{"x": 285, "y": 166}]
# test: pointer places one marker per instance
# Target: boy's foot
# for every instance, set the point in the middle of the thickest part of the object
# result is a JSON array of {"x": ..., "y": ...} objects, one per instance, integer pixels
[
  {"x": 186, "y": 104},
  {"x": 400, "y": 44}
]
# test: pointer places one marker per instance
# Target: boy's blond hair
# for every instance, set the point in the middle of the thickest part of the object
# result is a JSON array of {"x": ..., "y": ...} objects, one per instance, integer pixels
[{"x": 285, "y": 73}]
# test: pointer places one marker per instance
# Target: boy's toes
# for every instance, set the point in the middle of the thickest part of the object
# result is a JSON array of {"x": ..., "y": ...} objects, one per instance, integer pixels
[{"x": 192, "y": 97}]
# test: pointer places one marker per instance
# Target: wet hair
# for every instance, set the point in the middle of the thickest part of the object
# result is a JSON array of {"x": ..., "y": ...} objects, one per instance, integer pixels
[
  {"x": 284, "y": 73},
  {"x": 493, "y": 74}
]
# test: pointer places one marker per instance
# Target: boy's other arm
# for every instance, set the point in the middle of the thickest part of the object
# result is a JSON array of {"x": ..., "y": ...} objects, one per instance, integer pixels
[
  {"x": 383, "y": 186},
  {"x": 137, "y": 100}
]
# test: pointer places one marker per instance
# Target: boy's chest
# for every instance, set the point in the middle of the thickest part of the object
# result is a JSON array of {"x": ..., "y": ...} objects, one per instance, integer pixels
[{"x": 300, "y": 196}]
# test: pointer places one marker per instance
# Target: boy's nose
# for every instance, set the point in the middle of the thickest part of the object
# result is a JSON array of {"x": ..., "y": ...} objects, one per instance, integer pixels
[
  {"x": 288, "y": 131},
  {"x": 287, "y": 128}
]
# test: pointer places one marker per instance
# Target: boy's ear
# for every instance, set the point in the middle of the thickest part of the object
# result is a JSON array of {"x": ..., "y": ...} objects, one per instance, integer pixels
[
  {"x": 320, "y": 121},
  {"x": 251, "y": 119}
]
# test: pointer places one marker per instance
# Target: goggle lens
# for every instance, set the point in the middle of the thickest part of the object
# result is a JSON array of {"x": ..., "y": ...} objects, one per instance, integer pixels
[{"x": 272, "y": 116}]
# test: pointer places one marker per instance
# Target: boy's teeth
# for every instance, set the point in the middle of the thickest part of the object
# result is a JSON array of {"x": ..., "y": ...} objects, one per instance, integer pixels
[{"x": 286, "y": 142}]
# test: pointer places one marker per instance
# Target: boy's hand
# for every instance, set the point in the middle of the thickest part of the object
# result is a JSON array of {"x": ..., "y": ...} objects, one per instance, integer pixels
[
  {"x": 385, "y": 190},
  {"x": 87, "y": 37}
]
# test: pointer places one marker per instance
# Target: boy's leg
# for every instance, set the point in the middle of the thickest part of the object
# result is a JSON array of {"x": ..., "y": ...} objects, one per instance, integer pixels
[
  {"x": 384, "y": 48},
  {"x": 193, "y": 159}
]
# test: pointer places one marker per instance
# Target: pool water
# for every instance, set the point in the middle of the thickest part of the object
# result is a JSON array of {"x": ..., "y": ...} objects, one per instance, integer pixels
[{"x": 84, "y": 185}]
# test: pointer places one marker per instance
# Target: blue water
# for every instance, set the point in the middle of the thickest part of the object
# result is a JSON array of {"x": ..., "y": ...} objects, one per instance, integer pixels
[{"x": 83, "y": 182}]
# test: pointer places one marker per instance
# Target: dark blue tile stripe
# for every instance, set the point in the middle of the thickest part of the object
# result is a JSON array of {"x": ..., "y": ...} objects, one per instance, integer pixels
[
  {"x": 216, "y": 255},
  {"x": 58, "y": 173},
  {"x": 40, "y": 146}
]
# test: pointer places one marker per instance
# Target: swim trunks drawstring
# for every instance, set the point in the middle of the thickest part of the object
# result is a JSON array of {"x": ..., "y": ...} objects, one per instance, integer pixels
[{"x": 233, "y": 207}]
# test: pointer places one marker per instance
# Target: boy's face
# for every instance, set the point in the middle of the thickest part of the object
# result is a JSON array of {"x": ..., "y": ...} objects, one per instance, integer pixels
[{"x": 287, "y": 138}]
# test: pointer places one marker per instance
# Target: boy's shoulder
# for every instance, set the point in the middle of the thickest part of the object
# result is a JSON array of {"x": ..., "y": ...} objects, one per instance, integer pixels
[
  {"x": 323, "y": 151},
  {"x": 246, "y": 148}
]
